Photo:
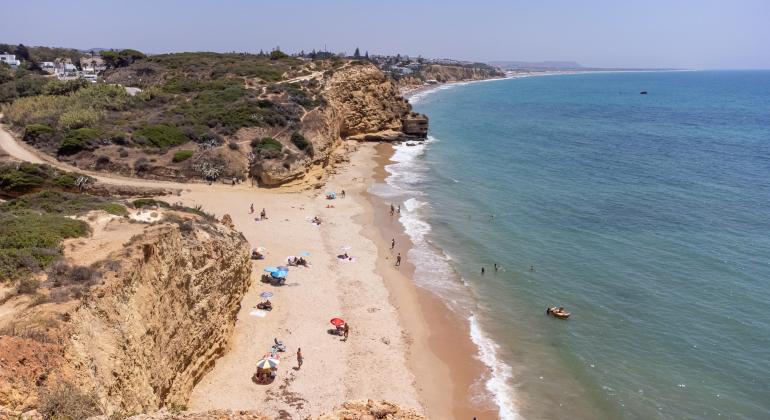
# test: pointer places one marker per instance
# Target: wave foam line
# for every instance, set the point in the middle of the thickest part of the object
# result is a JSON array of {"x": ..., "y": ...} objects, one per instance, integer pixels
[{"x": 498, "y": 383}]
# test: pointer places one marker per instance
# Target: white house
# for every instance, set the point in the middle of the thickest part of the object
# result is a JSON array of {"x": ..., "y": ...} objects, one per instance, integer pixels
[
  {"x": 48, "y": 67},
  {"x": 67, "y": 71},
  {"x": 10, "y": 59}
]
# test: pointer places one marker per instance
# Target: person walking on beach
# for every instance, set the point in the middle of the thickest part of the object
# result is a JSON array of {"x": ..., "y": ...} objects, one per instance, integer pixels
[
  {"x": 342, "y": 193},
  {"x": 398, "y": 260},
  {"x": 392, "y": 243},
  {"x": 263, "y": 215},
  {"x": 299, "y": 358},
  {"x": 399, "y": 209},
  {"x": 392, "y": 209},
  {"x": 345, "y": 332},
  {"x": 252, "y": 209}
]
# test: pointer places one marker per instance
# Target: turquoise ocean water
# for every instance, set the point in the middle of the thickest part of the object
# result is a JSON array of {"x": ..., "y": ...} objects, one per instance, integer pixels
[{"x": 646, "y": 216}]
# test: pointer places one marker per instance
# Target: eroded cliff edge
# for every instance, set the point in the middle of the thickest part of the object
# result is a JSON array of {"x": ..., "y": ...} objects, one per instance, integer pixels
[
  {"x": 155, "y": 320},
  {"x": 161, "y": 320}
]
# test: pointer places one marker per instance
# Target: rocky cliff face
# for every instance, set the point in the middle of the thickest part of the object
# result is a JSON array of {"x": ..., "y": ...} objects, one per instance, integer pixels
[
  {"x": 365, "y": 100},
  {"x": 446, "y": 73},
  {"x": 158, "y": 323},
  {"x": 360, "y": 100}
]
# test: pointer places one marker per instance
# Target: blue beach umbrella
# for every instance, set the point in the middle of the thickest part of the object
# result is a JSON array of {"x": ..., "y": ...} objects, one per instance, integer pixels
[
  {"x": 266, "y": 295},
  {"x": 271, "y": 269},
  {"x": 304, "y": 254},
  {"x": 279, "y": 274}
]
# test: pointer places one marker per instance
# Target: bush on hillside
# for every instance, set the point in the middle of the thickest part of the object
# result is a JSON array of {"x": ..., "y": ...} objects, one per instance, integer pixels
[
  {"x": 268, "y": 148},
  {"x": 77, "y": 140},
  {"x": 182, "y": 155},
  {"x": 299, "y": 140},
  {"x": 277, "y": 55},
  {"x": 38, "y": 133},
  {"x": 64, "y": 87},
  {"x": 64, "y": 400},
  {"x": 161, "y": 135}
]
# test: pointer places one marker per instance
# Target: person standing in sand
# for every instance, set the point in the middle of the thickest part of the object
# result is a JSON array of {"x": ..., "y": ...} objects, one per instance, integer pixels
[
  {"x": 252, "y": 209},
  {"x": 392, "y": 243},
  {"x": 398, "y": 260},
  {"x": 392, "y": 209},
  {"x": 299, "y": 358},
  {"x": 345, "y": 332},
  {"x": 263, "y": 215}
]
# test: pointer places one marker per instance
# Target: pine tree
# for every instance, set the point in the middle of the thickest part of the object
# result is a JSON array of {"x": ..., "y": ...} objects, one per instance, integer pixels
[{"x": 357, "y": 54}]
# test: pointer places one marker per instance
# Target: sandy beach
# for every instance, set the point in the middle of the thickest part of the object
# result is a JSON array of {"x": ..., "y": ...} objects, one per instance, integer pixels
[{"x": 405, "y": 346}]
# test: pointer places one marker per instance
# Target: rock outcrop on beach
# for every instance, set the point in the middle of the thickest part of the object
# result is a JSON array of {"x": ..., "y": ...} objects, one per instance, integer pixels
[
  {"x": 361, "y": 103},
  {"x": 365, "y": 100},
  {"x": 141, "y": 336}
]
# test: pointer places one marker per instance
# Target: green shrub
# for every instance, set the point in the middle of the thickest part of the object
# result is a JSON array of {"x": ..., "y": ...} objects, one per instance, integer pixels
[
  {"x": 269, "y": 143},
  {"x": 161, "y": 135},
  {"x": 64, "y": 87},
  {"x": 148, "y": 202},
  {"x": 182, "y": 155},
  {"x": 38, "y": 133},
  {"x": 277, "y": 55},
  {"x": 17, "y": 179},
  {"x": 79, "y": 118},
  {"x": 77, "y": 140},
  {"x": 114, "y": 208},
  {"x": 268, "y": 148},
  {"x": 299, "y": 140}
]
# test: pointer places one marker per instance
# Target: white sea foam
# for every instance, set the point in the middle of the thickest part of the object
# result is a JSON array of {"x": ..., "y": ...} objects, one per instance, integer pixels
[{"x": 499, "y": 382}]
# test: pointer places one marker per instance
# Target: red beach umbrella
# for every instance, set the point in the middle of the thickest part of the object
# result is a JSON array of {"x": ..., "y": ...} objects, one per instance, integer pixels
[{"x": 337, "y": 322}]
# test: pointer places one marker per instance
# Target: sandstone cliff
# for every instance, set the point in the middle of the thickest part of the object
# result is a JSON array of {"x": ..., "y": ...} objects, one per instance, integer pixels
[
  {"x": 144, "y": 338},
  {"x": 151, "y": 321},
  {"x": 360, "y": 100},
  {"x": 448, "y": 73}
]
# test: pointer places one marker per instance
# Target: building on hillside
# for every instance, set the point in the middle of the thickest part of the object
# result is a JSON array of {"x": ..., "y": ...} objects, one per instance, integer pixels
[
  {"x": 67, "y": 71},
  {"x": 48, "y": 67},
  {"x": 89, "y": 74},
  {"x": 10, "y": 59},
  {"x": 94, "y": 63}
]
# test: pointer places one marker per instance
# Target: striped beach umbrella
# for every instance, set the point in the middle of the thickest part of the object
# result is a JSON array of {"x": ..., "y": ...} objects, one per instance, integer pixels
[{"x": 268, "y": 363}]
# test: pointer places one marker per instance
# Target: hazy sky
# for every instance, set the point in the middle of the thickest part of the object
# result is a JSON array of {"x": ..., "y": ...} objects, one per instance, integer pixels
[{"x": 617, "y": 33}]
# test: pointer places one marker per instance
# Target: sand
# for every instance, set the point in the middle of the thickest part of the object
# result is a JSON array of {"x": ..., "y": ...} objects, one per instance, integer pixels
[{"x": 405, "y": 346}]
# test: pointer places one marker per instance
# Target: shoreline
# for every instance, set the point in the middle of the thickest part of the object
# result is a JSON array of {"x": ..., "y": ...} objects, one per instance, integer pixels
[{"x": 441, "y": 354}]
